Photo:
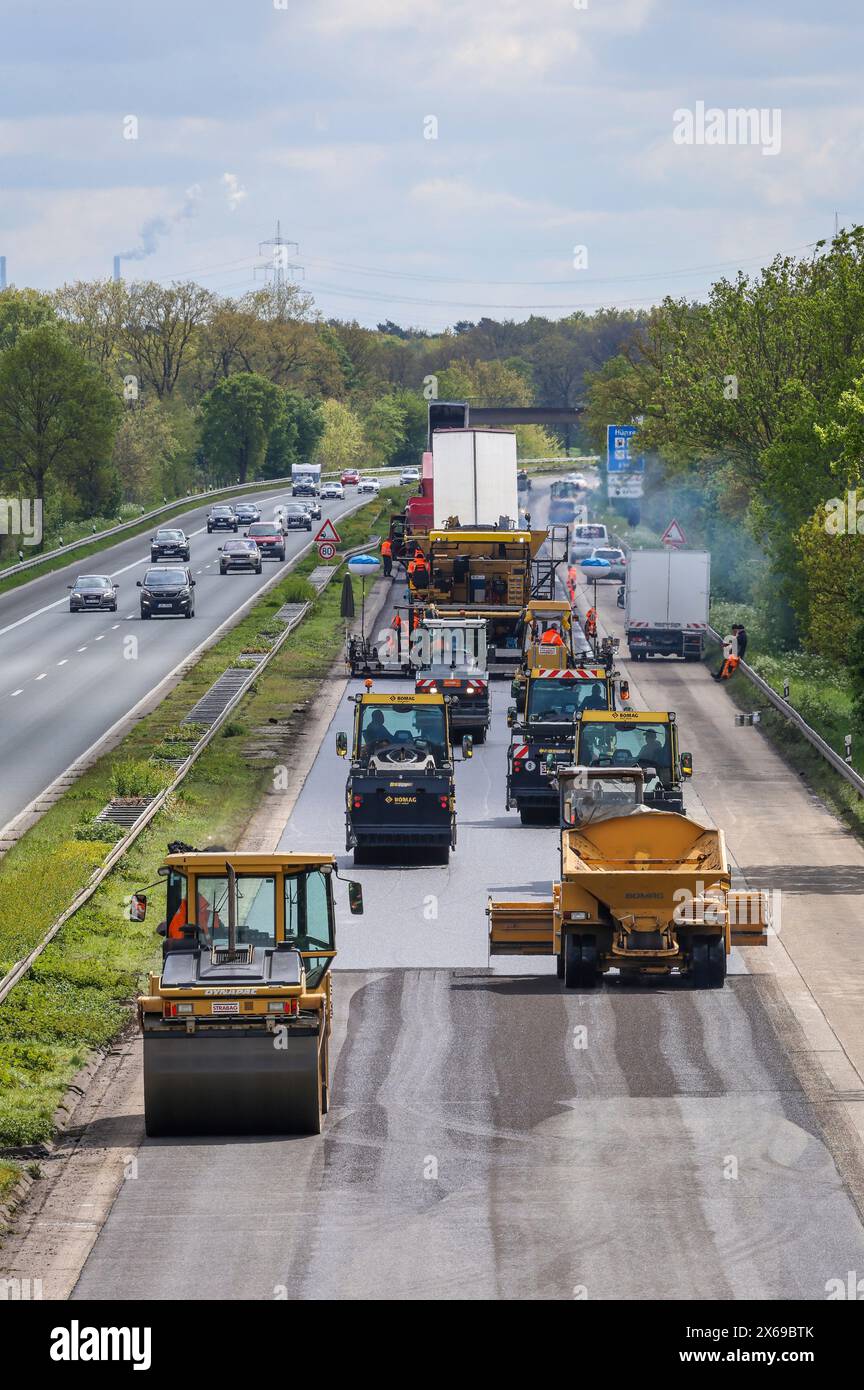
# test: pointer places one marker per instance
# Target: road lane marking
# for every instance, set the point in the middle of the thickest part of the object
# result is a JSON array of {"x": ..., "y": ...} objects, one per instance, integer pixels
[
  {"x": 42, "y": 677},
  {"x": 99, "y": 638},
  {"x": 115, "y": 627},
  {"x": 63, "y": 662},
  {"x": 16, "y": 692},
  {"x": 82, "y": 649}
]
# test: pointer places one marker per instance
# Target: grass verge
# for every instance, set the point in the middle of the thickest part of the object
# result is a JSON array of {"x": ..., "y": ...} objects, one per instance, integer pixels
[{"x": 77, "y": 995}]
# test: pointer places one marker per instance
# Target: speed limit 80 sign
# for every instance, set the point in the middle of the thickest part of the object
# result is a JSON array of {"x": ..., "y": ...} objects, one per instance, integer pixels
[{"x": 326, "y": 550}]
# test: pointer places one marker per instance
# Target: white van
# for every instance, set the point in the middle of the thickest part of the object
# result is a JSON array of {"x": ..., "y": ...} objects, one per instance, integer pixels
[{"x": 585, "y": 537}]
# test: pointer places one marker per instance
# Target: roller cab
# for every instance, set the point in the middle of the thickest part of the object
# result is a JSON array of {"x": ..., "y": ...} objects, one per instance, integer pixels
[{"x": 236, "y": 1023}]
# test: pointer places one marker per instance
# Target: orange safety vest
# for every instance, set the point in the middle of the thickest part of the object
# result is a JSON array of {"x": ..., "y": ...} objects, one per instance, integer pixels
[
  {"x": 552, "y": 638},
  {"x": 387, "y": 548},
  {"x": 397, "y": 621},
  {"x": 591, "y": 622},
  {"x": 181, "y": 917}
]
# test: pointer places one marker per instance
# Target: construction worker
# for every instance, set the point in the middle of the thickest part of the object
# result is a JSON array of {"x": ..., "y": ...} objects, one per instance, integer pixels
[
  {"x": 552, "y": 637},
  {"x": 741, "y": 638},
  {"x": 594, "y": 699},
  {"x": 729, "y": 664},
  {"x": 591, "y": 623},
  {"x": 387, "y": 556},
  {"x": 180, "y": 920},
  {"x": 572, "y": 576}
]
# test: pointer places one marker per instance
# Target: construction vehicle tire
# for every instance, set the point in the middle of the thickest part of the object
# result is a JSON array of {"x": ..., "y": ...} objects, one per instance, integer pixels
[
  {"x": 559, "y": 964},
  {"x": 716, "y": 962},
  {"x": 219, "y": 1083},
  {"x": 699, "y": 973},
  {"x": 580, "y": 961}
]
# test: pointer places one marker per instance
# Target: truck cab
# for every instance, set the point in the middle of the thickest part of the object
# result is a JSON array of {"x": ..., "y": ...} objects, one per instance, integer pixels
[
  {"x": 542, "y": 616},
  {"x": 449, "y": 656},
  {"x": 648, "y": 740},
  {"x": 401, "y": 791},
  {"x": 543, "y": 734}
]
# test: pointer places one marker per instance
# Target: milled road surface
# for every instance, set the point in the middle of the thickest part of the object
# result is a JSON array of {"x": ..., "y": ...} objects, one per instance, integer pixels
[
  {"x": 67, "y": 678},
  {"x": 493, "y": 1136}
]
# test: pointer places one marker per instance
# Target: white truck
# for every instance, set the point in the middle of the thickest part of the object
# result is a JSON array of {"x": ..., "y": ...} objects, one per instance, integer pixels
[
  {"x": 474, "y": 475},
  {"x": 305, "y": 480},
  {"x": 666, "y": 603}
]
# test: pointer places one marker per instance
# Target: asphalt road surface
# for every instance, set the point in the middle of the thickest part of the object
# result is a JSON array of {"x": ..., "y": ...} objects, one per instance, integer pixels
[
  {"x": 494, "y": 1136},
  {"x": 67, "y": 678}
]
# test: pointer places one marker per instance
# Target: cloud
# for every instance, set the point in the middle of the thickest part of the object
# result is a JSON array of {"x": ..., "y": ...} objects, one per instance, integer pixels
[{"x": 234, "y": 190}]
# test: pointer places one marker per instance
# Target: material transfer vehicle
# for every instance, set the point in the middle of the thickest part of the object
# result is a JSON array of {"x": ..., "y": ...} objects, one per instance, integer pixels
[
  {"x": 269, "y": 538},
  {"x": 543, "y": 734},
  {"x": 239, "y": 555},
  {"x": 222, "y": 518},
  {"x": 236, "y": 1021},
  {"x": 93, "y": 591},
  {"x": 169, "y": 543},
  {"x": 644, "y": 892},
  {"x": 401, "y": 792},
  {"x": 449, "y": 656},
  {"x": 167, "y": 589}
]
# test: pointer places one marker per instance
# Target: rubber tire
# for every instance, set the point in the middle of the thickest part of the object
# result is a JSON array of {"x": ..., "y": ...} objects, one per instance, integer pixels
[
  {"x": 259, "y": 569},
  {"x": 580, "y": 961},
  {"x": 190, "y": 613},
  {"x": 209, "y": 530},
  {"x": 113, "y": 608},
  {"x": 145, "y": 616},
  {"x": 716, "y": 962},
  {"x": 559, "y": 965},
  {"x": 699, "y": 973}
]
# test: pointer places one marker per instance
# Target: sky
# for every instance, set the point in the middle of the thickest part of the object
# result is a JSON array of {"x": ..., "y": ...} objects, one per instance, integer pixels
[{"x": 432, "y": 161}]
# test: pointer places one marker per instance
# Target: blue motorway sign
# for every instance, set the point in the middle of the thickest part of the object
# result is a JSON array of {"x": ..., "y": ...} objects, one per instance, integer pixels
[{"x": 618, "y": 456}]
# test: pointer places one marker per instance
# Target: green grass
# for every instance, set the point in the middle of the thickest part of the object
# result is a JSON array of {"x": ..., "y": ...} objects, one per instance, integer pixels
[
  {"x": 9, "y": 1174},
  {"x": 77, "y": 996}
]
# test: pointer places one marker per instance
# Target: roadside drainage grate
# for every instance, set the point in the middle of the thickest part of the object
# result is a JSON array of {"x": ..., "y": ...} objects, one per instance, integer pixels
[
  {"x": 289, "y": 611},
  {"x": 251, "y": 656},
  {"x": 217, "y": 698},
  {"x": 124, "y": 811},
  {"x": 321, "y": 576}
]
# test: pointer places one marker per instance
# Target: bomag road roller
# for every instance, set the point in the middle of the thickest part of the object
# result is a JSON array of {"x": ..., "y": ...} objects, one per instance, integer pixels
[
  {"x": 642, "y": 891},
  {"x": 237, "y": 1022},
  {"x": 401, "y": 792}
]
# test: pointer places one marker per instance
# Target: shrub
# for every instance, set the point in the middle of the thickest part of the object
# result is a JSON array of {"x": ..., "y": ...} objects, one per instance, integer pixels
[{"x": 136, "y": 777}]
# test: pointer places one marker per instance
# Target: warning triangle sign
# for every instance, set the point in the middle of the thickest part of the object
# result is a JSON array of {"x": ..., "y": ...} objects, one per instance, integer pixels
[
  {"x": 328, "y": 532},
  {"x": 673, "y": 535}
]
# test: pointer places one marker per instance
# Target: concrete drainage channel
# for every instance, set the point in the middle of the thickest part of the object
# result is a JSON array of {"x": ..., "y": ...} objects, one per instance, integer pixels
[{"x": 213, "y": 709}]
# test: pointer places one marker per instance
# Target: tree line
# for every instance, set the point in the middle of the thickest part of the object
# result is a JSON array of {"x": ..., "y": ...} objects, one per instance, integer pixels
[{"x": 116, "y": 393}]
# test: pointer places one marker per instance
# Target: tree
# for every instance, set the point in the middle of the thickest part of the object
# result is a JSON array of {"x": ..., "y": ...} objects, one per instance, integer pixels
[
  {"x": 384, "y": 427},
  {"x": 342, "y": 444},
  {"x": 58, "y": 418},
  {"x": 93, "y": 313},
  {"x": 21, "y": 310},
  {"x": 145, "y": 452},
  {"x": 237, "y": 418},
  {"x": 159, "y": 329},
  {"x": 295, "y": 435}
]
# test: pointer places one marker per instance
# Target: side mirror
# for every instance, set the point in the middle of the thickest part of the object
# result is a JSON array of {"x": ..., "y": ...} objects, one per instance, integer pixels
[
  {"x": 467, "y": 746},
  {"x": 355, "y": 897},
  {"x": 138, "y": 907},
  {"x": 686, "y": 764},
  {"x": 68, "y": 586},
  {"x": 192, "y": 583},
  {"x": 514, "y": 690},
  {"x": 511, "y": 716},
  {"x": 342, "y": 744},
  {"x": 115, "y": 587},
  {"x": 624, "y": 688},
  {"x": 218, "y": 547},
  {"x": 245, "y": 533},
  {"x": 138, "y": 583}
]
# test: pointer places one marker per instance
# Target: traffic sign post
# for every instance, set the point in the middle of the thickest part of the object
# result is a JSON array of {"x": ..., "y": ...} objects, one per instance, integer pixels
[
  {"x": 673, "y": 536},
  {"x": 328, "y": 533}
]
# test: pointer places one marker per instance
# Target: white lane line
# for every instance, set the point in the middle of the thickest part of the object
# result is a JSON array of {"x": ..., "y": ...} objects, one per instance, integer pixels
[
  {"x": 14, "y": 693},
  {"x": 99, "y": 638},
  {"x": 82, "y": 649},
  {"x": 128, "y": 616},
  {"x": 115, "y": 627},
  {"x": 42, "y": 677},
  {"x": 64, "y": 662}
]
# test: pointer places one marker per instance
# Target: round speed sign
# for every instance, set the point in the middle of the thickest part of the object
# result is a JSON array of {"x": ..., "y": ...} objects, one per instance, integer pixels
[{"x": 326, "y": 550}]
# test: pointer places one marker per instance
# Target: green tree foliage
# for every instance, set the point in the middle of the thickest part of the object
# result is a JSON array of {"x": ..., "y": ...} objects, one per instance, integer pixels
[
  {"x": 342, "y": 444},
  {"x": 295, "y": 435},
  {"x": 58, "y": 420},
  {"x": 146, "y": 453},
  {"x": 237, "y": 418},
  {"x": 21, "y": 310}
]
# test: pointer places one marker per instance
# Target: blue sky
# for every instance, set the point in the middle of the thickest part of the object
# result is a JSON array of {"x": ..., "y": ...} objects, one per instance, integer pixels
[{"x": 555, "y": 130}]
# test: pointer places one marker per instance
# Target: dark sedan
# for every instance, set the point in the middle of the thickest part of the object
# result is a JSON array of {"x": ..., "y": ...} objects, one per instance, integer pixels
[
  {"x": 247, "y": 512},
  {"x": 239, "y": 555},
  {"x": 92, "y": 591},
  {"x": 296, "y": 518},
  {"x": 221, "y": 519}
]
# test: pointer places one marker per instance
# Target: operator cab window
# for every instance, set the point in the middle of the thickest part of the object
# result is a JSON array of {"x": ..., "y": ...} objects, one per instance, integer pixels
[
  {"x": 309, "y": 920},
  {"x": 256, "y": 910}
]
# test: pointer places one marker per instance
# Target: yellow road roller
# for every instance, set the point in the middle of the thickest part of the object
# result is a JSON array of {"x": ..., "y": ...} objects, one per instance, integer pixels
[{"x": 237, "y": 1023}]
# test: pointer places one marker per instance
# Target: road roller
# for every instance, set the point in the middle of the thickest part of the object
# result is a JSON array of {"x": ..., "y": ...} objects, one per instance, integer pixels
[{"x": 236, "y": 1024}]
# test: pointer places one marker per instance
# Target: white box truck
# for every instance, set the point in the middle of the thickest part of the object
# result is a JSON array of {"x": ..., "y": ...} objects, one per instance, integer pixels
[
  {"x": 666, "y": 603},
  {"x": 305, "y": 480},
  {"x": 474, "y": 477}
]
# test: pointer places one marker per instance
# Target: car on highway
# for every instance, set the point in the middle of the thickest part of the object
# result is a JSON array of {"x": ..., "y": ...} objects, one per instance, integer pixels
[
  {"x": 240, "y": 555},
  {"x": 167, "y": 589},
  {"x": 269, "y": 538},
  {"x": 312, "y": 506},
  {"x": 332, "y": 492},
  {"x": 369, "y": 485},
  {"x": 409, "y": 475},
  {"x": 247, "y": 512},
  {"x": 92, "y": 591},
  {"x": 169, "y": 543},
  {"x": 615, "y": 559},
  {"x": 295, "y": 517},
  {"x": 585, "y": 537},
  {"x": 350, "y": 478},
  {"x": 222, "y": 518}
]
